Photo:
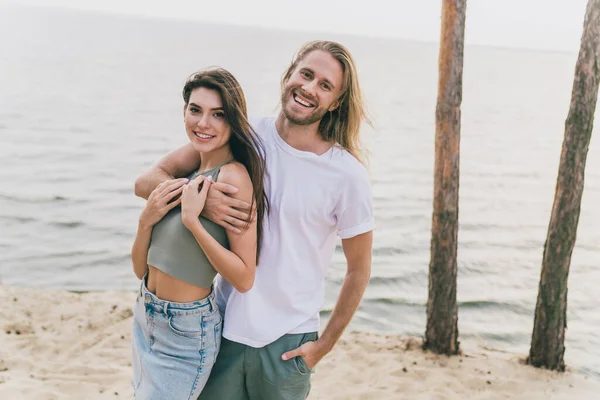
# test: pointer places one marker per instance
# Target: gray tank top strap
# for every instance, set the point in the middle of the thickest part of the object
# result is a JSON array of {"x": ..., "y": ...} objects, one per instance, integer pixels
[{"x": 213, "y": 172}]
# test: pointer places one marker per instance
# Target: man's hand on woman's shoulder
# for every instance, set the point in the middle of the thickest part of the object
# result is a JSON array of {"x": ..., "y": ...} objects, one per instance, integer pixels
[{"x": 225, "y": 210}]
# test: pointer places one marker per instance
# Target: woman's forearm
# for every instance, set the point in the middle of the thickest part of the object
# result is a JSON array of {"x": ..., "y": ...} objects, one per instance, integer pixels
[
  {"x": 139, "y": 252},
  {"x": 231, "y": 267}
]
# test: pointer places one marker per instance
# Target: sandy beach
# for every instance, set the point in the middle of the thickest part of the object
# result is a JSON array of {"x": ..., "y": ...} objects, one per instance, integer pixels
[{"x": 65, "y": 345}]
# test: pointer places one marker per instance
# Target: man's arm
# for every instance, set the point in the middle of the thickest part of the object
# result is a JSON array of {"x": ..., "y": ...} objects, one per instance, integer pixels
[
  {"x": 222, "y": 209},
  {"x": 178, "y": 163},
  {"x": 358, "y": 255}
]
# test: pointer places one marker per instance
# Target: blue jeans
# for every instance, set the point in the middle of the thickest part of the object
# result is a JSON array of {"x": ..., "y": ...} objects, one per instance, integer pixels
[{"x": 174, "y": 345}]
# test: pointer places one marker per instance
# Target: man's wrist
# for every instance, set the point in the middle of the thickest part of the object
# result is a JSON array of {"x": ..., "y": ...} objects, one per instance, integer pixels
[
  {"x": 206, "y": 213},
  {"x": 325, "y": 344}
]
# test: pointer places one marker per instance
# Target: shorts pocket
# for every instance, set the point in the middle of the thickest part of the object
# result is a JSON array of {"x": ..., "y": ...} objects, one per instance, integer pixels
[
  {"x": 301, "y": 365},
  {"x": 299, "y": 361},
  {"x": 292, "y": 373},
  {"x": 189, "y": 326}
]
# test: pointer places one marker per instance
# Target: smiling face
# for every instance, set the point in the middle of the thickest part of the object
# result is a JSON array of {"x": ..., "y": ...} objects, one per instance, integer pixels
[
  {"x": 205, "y": 122},
  {"x": 312, "y": 89}
]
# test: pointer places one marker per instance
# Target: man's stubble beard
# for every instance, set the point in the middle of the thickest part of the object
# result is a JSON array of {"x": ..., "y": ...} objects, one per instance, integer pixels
[{"x": 316, "y": 116}]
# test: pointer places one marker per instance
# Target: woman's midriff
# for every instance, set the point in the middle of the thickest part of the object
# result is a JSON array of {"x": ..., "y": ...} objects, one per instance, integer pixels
[{"x": 166, "y": 287}]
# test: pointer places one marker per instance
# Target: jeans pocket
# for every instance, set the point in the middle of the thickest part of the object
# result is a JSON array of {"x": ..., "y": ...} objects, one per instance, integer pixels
[
  {"x": 189, "y": 326},
  {"x": 218, "y": 333}
]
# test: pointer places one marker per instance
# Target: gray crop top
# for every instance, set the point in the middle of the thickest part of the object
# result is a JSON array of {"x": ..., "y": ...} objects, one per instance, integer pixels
[{"x": 175, "y": 251}]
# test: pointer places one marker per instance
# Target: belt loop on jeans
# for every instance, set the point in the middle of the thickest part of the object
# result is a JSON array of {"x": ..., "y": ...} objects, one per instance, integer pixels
[
  {"x": 143, "y": 283},
  {"x": 166, "y": 307},
  {"x": 212, "y": 301}
]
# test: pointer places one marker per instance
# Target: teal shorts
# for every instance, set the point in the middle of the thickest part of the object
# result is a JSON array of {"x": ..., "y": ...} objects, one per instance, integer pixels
[{"x": 247, "y": 373}]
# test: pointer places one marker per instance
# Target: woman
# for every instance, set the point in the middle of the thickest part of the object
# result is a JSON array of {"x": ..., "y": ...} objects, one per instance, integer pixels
[{"x": 177, "y": 253}]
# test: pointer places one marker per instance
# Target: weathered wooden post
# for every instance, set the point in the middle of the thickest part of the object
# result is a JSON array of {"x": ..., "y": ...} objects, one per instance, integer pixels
[
  {"x": 441, "y": 335},
  {"x": 548, "y": 339}
]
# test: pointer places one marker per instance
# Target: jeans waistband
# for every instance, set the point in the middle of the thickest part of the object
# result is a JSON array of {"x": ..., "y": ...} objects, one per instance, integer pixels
[{"x": 203, "y": 306}]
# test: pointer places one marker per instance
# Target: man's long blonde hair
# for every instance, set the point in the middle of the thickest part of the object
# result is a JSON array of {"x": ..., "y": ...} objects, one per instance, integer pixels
[{"x": 341, "y": 125}]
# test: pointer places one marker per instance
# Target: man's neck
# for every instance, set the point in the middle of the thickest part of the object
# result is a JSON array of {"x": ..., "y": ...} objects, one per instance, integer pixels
[{"x": 302, "y": 137}]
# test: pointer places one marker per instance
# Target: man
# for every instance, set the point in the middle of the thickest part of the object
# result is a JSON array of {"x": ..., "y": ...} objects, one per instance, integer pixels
[{"x": 318, "y": 190}]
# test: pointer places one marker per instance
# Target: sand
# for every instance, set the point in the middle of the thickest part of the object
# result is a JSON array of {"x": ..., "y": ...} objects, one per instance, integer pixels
[{"x": 65, "y": 345}]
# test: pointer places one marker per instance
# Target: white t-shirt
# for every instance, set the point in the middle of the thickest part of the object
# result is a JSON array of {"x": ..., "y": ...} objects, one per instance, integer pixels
[{"x": 313, "y": 200}]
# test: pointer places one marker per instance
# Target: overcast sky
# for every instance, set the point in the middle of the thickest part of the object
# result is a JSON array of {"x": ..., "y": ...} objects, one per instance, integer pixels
[{"x": 538, "y": 24}]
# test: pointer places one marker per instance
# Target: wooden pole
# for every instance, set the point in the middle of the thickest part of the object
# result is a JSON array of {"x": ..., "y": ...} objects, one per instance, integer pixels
[
  {"x": 548, "y": 339},
  {"x": 441, "y": 334}
]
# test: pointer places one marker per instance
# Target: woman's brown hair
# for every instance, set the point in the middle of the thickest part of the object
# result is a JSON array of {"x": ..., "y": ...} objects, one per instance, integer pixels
[{"x": 246, "y": 147}]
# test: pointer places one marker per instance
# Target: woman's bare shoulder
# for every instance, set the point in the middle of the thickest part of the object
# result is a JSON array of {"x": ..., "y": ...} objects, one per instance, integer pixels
[{"x": 235, "y": 174}]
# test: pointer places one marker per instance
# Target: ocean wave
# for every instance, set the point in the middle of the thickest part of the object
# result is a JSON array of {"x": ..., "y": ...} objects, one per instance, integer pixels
[
  {"x": 404, "y": 220},
  {"x": 116, "y": 190},
  {"x": 587, "y": 247},
  {"x": 590, "y": 372},
  {"x": 103, "y": 261},
  {"x": 478, "y": 173},
  {"x": 395, "y": 301},
  {"x": 388, "y": 282},
  {"x": 418, "y": 276},
  {"x": 495, "y": 306},
  {"x": 475, "y": 227},
  {"x": 489, "y": 306},
  {"x": 67, "y": 224},
  {"x": 33, "y": 200},
  {"x": 387, "y": 250},
  {"x": 512, "y": 338},
  {"x": 54, "y": 256},
  {"x": 520, "y": 245},
  {"x": 17, "y": 218},
  {"x": 114, "y": 231}
]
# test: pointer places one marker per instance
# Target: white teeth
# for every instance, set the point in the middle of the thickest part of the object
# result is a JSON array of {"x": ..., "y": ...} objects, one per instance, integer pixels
[
  {"x": 304, "y": 103},
  {"x": 202, "y": 136}
]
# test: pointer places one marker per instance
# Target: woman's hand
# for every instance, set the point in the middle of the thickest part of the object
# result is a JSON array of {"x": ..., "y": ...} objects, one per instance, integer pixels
[
  {"x": 193, "y": 199},
  {"x": 161, "y": 201}
]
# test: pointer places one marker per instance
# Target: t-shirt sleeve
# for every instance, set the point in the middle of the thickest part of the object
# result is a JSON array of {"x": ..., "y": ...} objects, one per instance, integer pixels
[
  {"x": 261, "y": 125},
  {"x": 354, "y": 212},
  {"x": 254, "y": 121}
]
